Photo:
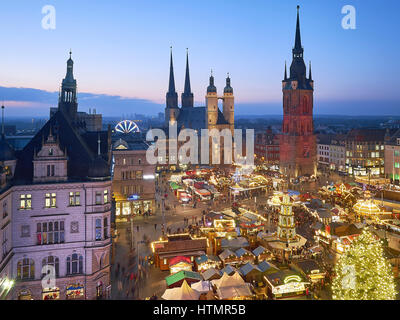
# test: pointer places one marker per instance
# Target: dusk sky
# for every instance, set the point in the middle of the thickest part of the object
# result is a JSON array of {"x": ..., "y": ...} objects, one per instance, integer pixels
[{"x": 121, "y": 53}]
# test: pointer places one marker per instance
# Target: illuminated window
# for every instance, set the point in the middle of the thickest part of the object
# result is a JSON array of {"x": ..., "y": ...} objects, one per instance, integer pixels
[
  {"x": 50, "y": 200},
  {"x": 397, "y": 164},
  {"x": 74, "y": 199},
  {"x": 50, "y": 232},
  {"x": 26, "y": 269},
  {"x": 25, "y": 201},
  {"x": 51, "y": 261},
  {"x": 105, "y": 196}
]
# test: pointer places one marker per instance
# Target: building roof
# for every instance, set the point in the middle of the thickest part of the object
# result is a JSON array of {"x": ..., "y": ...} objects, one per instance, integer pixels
[
  {"x": 234, "y": 243},
  {"x": 228, "y": 270},
  {"x": 181, "y": 275},
  {"x": 193, "y": 118},
  {"x": 308, "y": 265},
  {"x": 266, "y": 266},
  {"x": 204, "y": 258},
  {"x": 226, "y": 254},
  {"x": 209, "y": 273},
  {"x": 181, "y": 245},
  {"x": 241, "y": 252},
  {"x": 259, "y": 250},
  {"x": 80, "y": 149},
  {"x": 247, "y": 268}
]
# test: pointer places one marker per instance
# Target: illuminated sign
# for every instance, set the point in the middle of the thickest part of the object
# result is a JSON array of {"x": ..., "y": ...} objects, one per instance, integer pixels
[
  {"x": 133, "y": 197},
  {"x": 292, "y": 278}
]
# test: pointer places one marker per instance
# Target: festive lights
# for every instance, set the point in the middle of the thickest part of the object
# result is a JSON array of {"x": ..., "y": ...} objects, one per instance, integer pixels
[{"x": 363, "y": 273}]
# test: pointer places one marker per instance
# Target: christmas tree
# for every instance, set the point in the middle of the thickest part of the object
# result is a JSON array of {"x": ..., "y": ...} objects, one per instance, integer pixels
[{"x": 363, "y": 273}]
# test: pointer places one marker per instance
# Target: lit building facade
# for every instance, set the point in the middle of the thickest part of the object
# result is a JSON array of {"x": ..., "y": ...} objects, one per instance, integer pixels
[
  {"x": 56, "y": 208},
  {"x": 133, "y": 177}
]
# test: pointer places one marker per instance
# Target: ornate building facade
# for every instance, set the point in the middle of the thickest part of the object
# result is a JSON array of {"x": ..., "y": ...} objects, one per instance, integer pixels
[
  {"x": 297, "y": 140},
  {"x": 56, "y": 208}
]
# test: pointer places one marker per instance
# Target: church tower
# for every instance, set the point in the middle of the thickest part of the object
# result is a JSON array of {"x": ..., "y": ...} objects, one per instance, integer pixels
[
  {"x": 228, "y": 104},
  {"x": 187, "y": 95},
  {"x": 67, "y": 100},
  {"x": 171, "y": 110},
  {"x": 211, "y": 104},
  {"x": 297, "y": 140}
]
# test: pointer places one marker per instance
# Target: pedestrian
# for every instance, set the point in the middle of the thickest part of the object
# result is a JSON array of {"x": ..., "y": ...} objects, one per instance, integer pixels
[
  {"x": 137, "y": 228},
  {"x": 155, "y": 226}
]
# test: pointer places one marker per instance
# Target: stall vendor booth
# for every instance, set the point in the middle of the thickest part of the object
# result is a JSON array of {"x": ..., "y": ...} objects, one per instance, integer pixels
[
  {"x": 205, "y": 262},
  {"x": 75, "y": 291},
  {"x": 285, "y": 284},
  {"x": 179, "y": 263},
  {"x": 311, "y": 270}
]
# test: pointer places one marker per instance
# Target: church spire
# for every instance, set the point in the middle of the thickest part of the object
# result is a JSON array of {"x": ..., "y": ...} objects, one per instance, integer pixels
[
  {"x": 171, "y": 87},
  {"x": 172, "y": 96},
  {"x": 187, "y": 95},
  {"x": 297, "y": 41},
  {"x": 309, "y": 74},
  {"x": 298, "y": 67}
]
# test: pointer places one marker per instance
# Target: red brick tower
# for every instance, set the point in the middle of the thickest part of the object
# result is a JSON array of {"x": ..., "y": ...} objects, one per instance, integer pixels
[{"x": 297, "y": 141}]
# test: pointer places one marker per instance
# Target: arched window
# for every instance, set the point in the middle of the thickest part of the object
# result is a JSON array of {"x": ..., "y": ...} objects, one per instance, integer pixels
[
  {"x": 51, "y": 261},
  {"x": 74, "y": 264},
  {"x": 26, "y": 269}
]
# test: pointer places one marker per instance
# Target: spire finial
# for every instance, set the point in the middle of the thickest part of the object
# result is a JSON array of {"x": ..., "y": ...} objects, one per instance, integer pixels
[
  {"x": 211, "y": 73},
  {"x": 70, "y": 53},
  {"x": 297, "y": 42}
]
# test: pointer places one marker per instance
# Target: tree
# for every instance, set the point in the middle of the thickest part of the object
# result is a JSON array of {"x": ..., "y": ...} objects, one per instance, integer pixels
[{"x": 363, "y": 273}]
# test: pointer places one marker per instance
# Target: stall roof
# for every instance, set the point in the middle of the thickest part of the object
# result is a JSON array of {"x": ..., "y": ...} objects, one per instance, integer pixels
[
  {"x": 183, "y": 274},
  {"x": 241, "y": 252},
  {"x": 259, "y": 250},
  {"x": 247, "y": 268},
  {"x": 209, "y": 273},
  {"x": 234, "y": 243},
  {"x": 226, "y": 254},
  {"x": 228, "y": 270},
  {"x": 204, "y": 258},
  {"x": 266, "y": 266},
  {"x": 308, "y": 265}
]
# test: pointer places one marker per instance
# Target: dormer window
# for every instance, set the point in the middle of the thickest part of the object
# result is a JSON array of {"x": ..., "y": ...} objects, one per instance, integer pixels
[
  {"x": 51, "y": 151},
  {"x": 50, "y": 170}
]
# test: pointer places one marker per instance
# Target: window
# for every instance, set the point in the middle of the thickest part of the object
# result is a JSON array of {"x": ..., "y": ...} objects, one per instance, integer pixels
[
  {"x": 26, "y": 269},
  {"x": 5, "y": 209},
  {"x": 139, "y": 175},
  {"x": 50, "y": 200},
  {"x": 51, "y": 151},
  {"x": 105, "y": 228},
  {"x": 50, "y": 232},
  {"x": 51, "y": 261},
  {"x": 396, "y": 153},
  {"x": 4, "y": 243},
  {"x": 74, "y": 198},
  {"x": 98, "y": 229},
  {"x": 98, "y": 197},
  {"x": 105, "y": 196},
  {"x": 74, "y": 264},
  {"x": 50, "y": 170},
  {"x": 25, "y": 231},
  {"x": 25, "y": 201},
  {"x": 397, "y": 164}
]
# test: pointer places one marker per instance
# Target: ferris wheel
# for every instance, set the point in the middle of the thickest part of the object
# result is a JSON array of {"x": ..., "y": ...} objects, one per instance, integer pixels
[{"x": 127, "y": 126}]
